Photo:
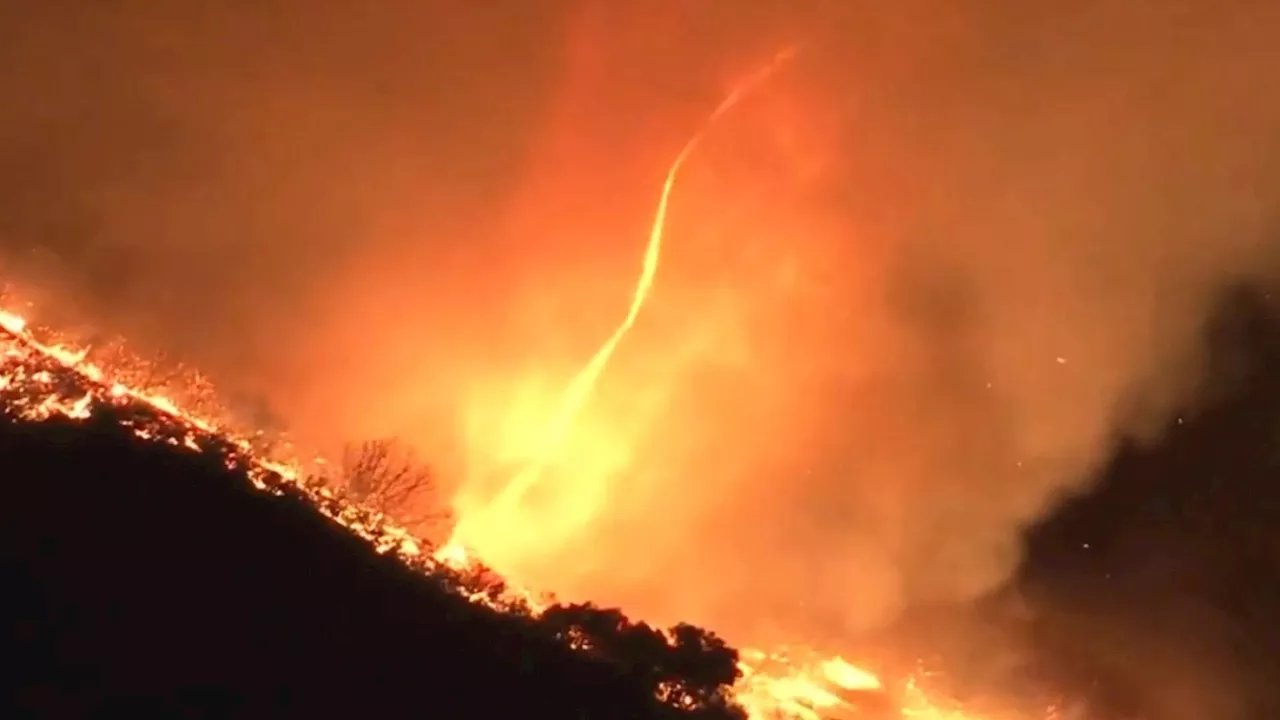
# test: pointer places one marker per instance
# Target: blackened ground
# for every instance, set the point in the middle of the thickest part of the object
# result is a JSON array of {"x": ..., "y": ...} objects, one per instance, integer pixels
[{"x": 140, "y": 580}]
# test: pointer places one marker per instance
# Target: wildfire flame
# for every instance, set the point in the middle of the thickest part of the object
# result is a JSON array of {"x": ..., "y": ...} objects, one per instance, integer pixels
[
  {"x": 40, "y": 380},
  {"x": 579, "y": 390},
  {"x": 46, "y": 378}
]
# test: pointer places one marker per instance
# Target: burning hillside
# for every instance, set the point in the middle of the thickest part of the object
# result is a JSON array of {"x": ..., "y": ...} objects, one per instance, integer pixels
[
  {"x": 45, "y": 379},
  {"x": 917, "y": 279},
  {"x": 42, "y": 380}
]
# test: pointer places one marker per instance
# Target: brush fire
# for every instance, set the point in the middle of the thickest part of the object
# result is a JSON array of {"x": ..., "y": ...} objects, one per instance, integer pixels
[
  {"x": 801, "y": 358},
  {"x": 44, "y": 376}
]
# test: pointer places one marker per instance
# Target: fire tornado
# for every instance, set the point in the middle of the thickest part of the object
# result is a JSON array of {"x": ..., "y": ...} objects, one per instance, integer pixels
[{"x": 579, "y": 390}]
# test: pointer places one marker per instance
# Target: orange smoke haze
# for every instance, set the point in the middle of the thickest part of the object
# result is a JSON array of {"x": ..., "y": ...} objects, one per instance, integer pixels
[{"x": 909, "y": 291}]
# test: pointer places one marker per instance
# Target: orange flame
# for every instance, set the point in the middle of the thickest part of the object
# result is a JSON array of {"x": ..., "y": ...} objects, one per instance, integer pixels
[
  {"x": 41, "y": 380},
  {"x": 791, "y": 684},
  {"x": 579, "y": 390}
]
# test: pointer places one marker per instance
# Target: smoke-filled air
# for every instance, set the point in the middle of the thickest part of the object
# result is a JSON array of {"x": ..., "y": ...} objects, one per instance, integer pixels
[{"x": 911, "y": 286}]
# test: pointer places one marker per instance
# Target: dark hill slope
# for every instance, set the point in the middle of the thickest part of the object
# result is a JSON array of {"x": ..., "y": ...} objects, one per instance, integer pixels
[{"x": 139, "y": 578}]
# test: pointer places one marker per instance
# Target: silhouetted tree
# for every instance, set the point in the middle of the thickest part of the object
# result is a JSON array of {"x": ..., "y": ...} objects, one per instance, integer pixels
[
  {"x": 387, "y": 477},
  {"x": 702, "y": 659},
  {"x": 692, "y": 671}
]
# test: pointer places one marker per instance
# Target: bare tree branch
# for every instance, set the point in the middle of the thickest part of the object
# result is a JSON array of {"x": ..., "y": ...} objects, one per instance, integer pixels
[{"x": 386, "y": 477}]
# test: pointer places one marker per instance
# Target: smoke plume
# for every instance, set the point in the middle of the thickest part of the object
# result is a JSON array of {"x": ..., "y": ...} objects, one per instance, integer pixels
[{"x": 911, "y": 293}]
